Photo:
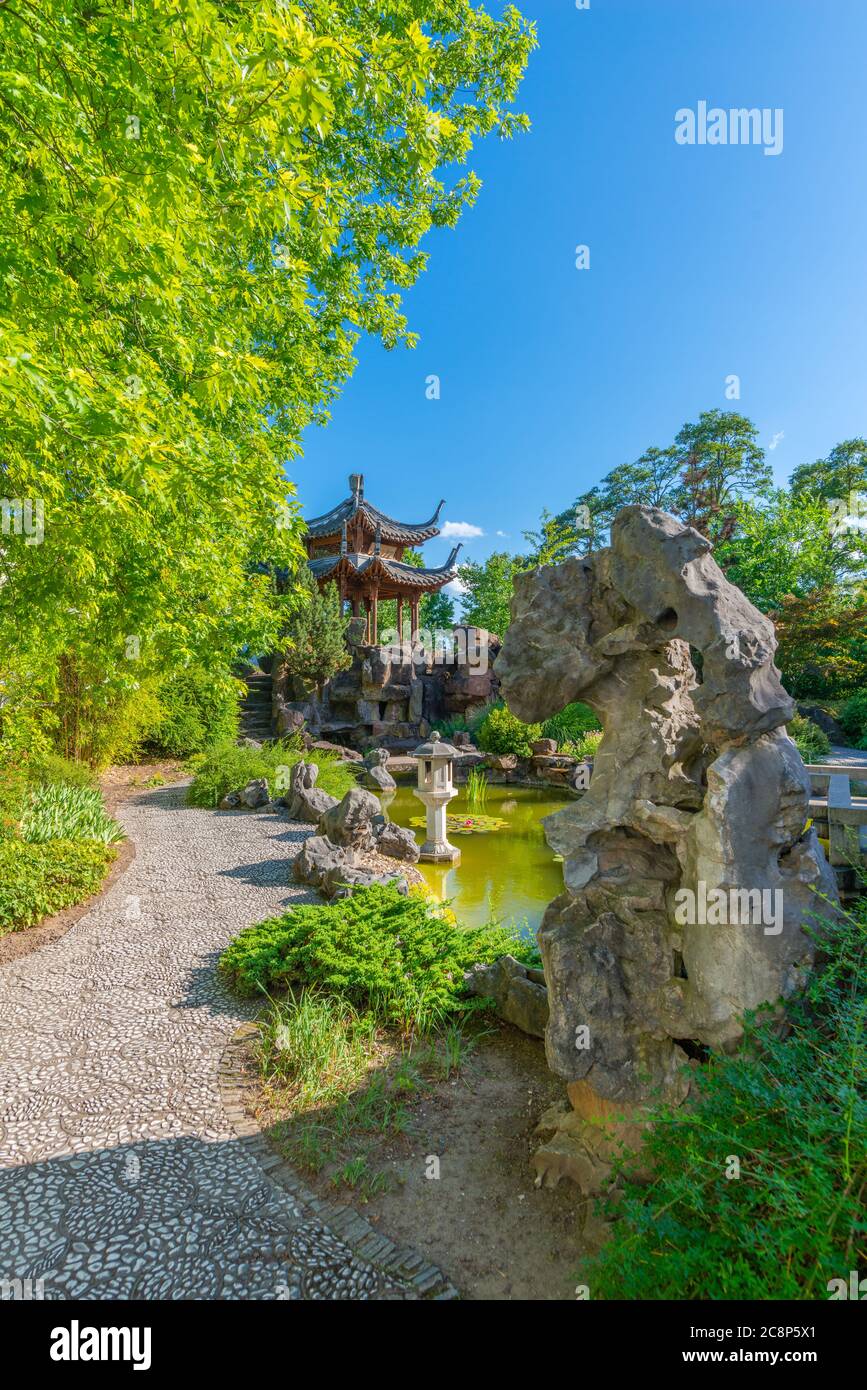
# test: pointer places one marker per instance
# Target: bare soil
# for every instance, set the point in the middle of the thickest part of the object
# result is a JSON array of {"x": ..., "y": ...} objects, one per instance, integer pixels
[{"x": 482, "y": 1221}]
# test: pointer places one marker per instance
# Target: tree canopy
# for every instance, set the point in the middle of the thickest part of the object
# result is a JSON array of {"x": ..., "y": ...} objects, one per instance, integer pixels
[{"x": 204, "y": 204}]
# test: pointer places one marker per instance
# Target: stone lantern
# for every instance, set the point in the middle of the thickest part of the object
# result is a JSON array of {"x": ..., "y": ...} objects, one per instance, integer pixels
[{"x": 436, "y": 789}]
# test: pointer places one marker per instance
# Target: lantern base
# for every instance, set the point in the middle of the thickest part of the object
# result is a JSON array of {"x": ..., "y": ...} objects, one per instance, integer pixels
[{"x": 439, "y": 852}]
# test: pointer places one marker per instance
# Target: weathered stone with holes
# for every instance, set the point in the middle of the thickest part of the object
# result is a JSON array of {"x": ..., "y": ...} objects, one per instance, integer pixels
[
  {"x": 696, "y": 786},
  {"x": 350, "y": 822},
  {"x": 317, "y": 858},
  {"x": 397, "y": 843},
  {"x": 305, "y": 801}
]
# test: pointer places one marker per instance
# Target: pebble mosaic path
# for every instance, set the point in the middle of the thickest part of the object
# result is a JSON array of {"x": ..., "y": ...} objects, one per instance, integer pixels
[{"x": 121, "y": 1173}]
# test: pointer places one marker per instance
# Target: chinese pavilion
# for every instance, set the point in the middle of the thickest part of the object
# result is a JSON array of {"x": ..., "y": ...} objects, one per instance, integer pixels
[{"x": 360, "y": 549}]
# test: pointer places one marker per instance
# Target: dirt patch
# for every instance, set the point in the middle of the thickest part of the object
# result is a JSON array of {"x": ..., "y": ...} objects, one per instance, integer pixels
[
  {"x": 118, "y": 783},
  {"x": 482, "y": 1221}
]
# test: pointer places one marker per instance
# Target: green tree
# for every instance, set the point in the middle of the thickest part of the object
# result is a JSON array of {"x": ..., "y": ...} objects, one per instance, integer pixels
[
  {"x": 487, "y": 593},
  {"x": 720, "y": 462},
  {"x": 556, "y": 539},
  {"x": 205, "y": 203},
  {"x": 843, "y": 472},
  {"x": 437, "y": 612},
  {"x": 315, "y": 638}
]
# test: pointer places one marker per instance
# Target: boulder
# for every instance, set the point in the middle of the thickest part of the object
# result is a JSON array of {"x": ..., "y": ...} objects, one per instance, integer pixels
[
  {"x": 338, "y": 749},
  {"x": 341, "y": 882},
  {"x": 544, "y": 747},
  {"x": 501, "y": 762},
  {"x": 317, "y": 858},
  {"x": 305, "y": 801},
  {"x": 350, "y": 822},
  {"x": 230, "y": 802},
  {"x": 397, "y": 843},
  {"x": 255, "y": 794},
  {"x": 376, "y": 773},
  {"x": 520, "y": 999}
]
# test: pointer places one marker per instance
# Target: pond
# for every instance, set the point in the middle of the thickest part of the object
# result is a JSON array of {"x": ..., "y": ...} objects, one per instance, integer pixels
[{"x": 509, "y": 873}]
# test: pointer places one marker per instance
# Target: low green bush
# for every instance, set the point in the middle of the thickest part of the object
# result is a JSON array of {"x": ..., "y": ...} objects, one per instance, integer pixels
[
  {"x": 812, "y": 742},
  {"x": 229, "y": 766},
  {"x": 55, "y": 769},
  {"x": 58, "y": 811},
  {"x": 503, "y": 732},
  {"x": 571, "y": 724},
  {"x": 586, "y": 746},
  {"x": 37, "y": 880},
  {"x": 793, "y": 1110},
  {"x": 853, "y": 718},
  {"x": 402, "y": 957}
]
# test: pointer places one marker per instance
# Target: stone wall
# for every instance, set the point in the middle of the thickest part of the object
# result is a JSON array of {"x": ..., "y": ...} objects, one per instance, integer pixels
[{"x": 391, "y": 697}]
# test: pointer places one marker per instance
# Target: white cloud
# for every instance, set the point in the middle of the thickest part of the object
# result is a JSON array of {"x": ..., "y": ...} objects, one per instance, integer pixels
[
  {"x": 455, "y": 588},
  {"x": 776, "y": 439},
  {"x": 460, "y": 531},
  {"x": 504, "y": 534}
]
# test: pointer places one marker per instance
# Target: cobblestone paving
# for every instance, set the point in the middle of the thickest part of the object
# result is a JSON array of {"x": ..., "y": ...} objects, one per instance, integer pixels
[{"x": 120, "y": 1174}]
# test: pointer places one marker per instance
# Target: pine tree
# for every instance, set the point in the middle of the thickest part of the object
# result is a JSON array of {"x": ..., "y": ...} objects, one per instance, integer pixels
[{"x": 315, "y": 638}]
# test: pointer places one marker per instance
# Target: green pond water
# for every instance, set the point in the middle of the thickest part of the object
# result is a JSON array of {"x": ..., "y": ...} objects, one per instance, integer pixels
[{"x": 510, "y": 873}]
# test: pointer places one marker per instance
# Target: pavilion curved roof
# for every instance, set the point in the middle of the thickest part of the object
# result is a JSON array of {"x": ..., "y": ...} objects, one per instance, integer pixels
[
  {"x": 406, "y": 532},
  {"x": 377, "y": 566}
]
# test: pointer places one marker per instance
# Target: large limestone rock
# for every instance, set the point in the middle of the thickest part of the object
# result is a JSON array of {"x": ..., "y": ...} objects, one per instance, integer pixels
[
  {"x": 376, "y": 773},
  {"x": 517, "y": 991},
  {"x": 305, "y": 801},
  {"x": 696, "y": 787},
  {"x": 396, "y": 842},
  {"x": 352, "y": 822}
]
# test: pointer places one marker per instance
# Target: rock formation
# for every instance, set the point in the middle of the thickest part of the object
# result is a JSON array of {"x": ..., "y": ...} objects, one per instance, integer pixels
[
  {"x": 689, "y": 870},
  {"x": 391, "y": 696},
  {"x": 305, "y": 801}
]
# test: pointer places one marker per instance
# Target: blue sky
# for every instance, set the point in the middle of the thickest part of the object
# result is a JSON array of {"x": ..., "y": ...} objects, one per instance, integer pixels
[{"x": 705, "y": 261}]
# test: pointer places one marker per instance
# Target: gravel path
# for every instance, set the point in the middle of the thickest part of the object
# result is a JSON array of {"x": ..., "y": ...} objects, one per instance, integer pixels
[{"x": 120, "y": 1174}]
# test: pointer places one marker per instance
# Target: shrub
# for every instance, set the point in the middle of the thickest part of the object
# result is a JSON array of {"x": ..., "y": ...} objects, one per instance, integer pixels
[
  {"x": 503, "y": 732},
  {"x": 585, "y": 747},
  {"x": 53, "y": 768},
  {"x": 399, "y": 956},
  {"x": 228, "y": 766},
  {"x": 853, "y": 718},
  {"x": 812, "y": 742},
  {"x": 197, "y": 710},
  {"x": 37, "y": 880},
  {"x": 570, "y": 725},
  {"x": 58, "y": 811},
  {"x": 794, "y": 1109}
]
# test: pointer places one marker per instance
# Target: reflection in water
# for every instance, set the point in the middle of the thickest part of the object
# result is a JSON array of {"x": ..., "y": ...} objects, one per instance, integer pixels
[{"x": 510, "y": 873}]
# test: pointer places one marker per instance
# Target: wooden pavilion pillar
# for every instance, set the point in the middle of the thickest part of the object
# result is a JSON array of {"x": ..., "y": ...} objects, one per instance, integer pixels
[
  {"x": 400, "y": 617},
  {"x": 367, "y": 611},
  {"x": 413, "y": 608},
  {"x": 374, "y": 616}
]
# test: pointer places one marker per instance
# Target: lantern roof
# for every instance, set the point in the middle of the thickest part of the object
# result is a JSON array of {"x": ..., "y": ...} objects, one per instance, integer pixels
[{"x": 437, "y": 747}]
